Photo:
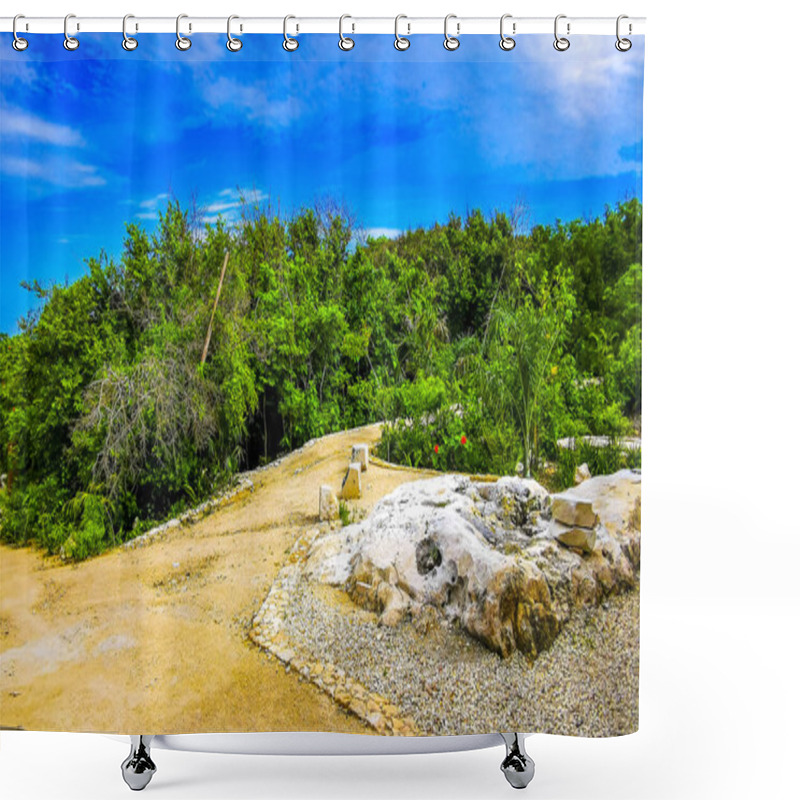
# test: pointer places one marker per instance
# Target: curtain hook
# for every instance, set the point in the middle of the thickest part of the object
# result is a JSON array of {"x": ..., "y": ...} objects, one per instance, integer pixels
[
  {"x": 400, "y": 42},
  {"x": 181, "y": 42},
  {"x": 19, "y": 44},
  {"x": 70, "y": 42},
  {"x": 290, "y": 44},
  {"x": 623, "y": 45},
  {"x": 128, "y": 42},
  {"x": 451, "y": 42},
  {"x": 506, "y": 42},
  {"x": 561, "y": 43},
  {"x": 233, "y": 44},
  {"x": 345, "y": 43}
]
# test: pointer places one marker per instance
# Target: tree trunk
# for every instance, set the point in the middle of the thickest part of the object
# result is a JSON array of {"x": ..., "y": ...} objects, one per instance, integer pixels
[{"x": 214, "y": 309}]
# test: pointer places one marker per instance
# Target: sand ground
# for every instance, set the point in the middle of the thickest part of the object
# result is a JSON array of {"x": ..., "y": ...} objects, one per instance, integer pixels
[{"x": 102, "y": 645}]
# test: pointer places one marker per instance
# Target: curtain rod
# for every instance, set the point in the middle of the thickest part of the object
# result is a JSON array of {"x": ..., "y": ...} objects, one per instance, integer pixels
[{"x": 298, "y": 25}]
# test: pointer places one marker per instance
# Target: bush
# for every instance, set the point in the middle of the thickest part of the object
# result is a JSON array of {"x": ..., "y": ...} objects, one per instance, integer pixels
[
  {"x": 600, "y": 460},
  {"x": 479, "y": 346}
]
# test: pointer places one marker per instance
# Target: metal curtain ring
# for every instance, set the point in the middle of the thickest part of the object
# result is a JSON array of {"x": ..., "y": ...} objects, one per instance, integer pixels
[
  {"x": 561, "y": 43},
  {"x": 181, "y": 42},
  {"x": 623, "y": 45},
  {"x": 128, "y": 42},
  {"x": 19, "y": 44},
  {"x": 450, "y": 42},
  {"x": 233, "y": 44},
  {"x": 345, "y": 43},
  {"x": 400, "y": 42},
  {"x": 289, "y": 44},
  {"x": 506, "y": 42},
  {"x": 70, "y": 42}
]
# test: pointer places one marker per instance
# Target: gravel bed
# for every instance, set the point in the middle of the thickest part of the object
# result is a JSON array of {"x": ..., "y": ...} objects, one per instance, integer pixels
[{"x": 586, "y": 684}]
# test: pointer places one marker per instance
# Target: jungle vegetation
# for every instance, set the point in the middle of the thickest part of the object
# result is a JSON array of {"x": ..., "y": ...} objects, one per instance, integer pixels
[{"x": 479, "y": 343}]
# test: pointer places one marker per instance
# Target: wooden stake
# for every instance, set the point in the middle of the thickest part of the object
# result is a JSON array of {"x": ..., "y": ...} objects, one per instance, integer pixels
[{"x": 214, "y": 310}]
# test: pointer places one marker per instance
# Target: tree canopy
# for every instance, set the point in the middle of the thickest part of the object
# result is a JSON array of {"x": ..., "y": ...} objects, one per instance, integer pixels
[{"x": 478, "y": 345}]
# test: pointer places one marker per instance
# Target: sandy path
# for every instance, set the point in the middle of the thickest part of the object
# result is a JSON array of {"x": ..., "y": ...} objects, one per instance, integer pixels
[{"x": 154, "y": 639}]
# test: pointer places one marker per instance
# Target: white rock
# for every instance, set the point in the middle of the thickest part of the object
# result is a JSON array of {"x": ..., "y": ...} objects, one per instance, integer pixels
[
  {"x": 574, "y": 536},
  {"x": 582, "y": 474},
  {"x": 351, "y": 485},
  {"x": 328, "y": 503},
  {"x": 482, "y": 554},
  {"x": 360, "y": 453},
  {"x": 572, "y": 510}
]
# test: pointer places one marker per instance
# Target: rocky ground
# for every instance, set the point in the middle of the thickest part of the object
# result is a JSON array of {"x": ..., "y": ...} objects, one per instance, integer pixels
[
  {"x": 585, "y": 684},
  {"x": 421, "y": 619}
]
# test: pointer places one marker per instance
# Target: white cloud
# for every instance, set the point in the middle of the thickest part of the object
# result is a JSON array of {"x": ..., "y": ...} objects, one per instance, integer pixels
[
  {"x": 225, "y": 203},
  {"x": 58, "y": 172},
  {"x": 154, "y": 201},
  {"x": 28, "y": 126},
  {"x": 19, "y": 71},
  {"x": 251, "y": 100},
  {"x": 150, "y": 205},
  {"x": 389, "y": 233}
]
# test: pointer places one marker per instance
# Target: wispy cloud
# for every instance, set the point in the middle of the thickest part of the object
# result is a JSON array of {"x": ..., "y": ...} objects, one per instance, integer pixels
[
  {"x": 255, "y": 102},
  {"x": 149, "y": 208},
  {"x": 28, "y": 126},
  {"x": 55, "y": 171},
  {"x": 19, "y": 71},
  {"x": 224, "y": 203}
]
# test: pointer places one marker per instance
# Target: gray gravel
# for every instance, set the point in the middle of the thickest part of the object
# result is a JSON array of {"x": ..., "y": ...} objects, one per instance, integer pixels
[{"x": 586, "y": 684}]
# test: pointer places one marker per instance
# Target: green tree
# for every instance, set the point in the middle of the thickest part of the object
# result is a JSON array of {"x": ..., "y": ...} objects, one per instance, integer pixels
[{"x": 523, "y": 351}]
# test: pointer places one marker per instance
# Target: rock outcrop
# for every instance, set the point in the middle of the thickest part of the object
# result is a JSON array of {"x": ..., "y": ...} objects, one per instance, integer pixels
[{"x": 503, "y": 559}]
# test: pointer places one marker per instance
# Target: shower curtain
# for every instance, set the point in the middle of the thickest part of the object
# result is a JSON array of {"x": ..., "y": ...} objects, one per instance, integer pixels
[{"x": 320, "y": 385}]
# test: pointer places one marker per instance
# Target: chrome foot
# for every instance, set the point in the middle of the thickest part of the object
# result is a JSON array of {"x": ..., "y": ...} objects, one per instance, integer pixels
[
  {"x": 138, "y": 768},
  {"x": 517, "y": 766}
]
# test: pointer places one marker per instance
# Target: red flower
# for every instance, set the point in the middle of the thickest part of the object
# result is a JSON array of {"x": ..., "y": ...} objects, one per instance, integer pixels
[
  {"x": 463, "y": 440},
  {"x": 436, "y": 448}
]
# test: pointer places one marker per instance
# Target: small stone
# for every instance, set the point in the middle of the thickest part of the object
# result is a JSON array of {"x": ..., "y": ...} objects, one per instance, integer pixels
[
  {"x": 359, "y": 708},
  {"x": 573, "y": 511},
  {"x": 582, "y": 474},
  {"x": 360, "y": 454},
  {"x": 351, "y": 485},
  {"x": 328, "y": 503},
  {"x": 574, "y": 536}
]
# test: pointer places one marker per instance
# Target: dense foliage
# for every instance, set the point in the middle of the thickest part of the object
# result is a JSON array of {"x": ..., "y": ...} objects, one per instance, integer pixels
[{"x": 479, "y": 345}]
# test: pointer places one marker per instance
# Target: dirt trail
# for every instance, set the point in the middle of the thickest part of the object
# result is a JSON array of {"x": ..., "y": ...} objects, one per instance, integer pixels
[{"x": 154, "y": 639}]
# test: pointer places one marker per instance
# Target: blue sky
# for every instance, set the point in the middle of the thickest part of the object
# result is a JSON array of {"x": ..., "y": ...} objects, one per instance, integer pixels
[{"x": 92, "y": 139}]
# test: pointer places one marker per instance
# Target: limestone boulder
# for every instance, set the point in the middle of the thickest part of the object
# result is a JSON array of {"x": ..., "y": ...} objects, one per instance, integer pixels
[{"x": 487, "y": 555}]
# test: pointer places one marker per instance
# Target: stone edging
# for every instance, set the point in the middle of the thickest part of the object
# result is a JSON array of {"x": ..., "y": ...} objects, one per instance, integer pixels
[{"x": 267, "y": 632}]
